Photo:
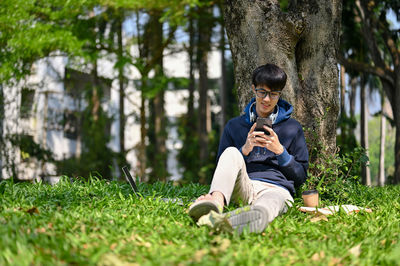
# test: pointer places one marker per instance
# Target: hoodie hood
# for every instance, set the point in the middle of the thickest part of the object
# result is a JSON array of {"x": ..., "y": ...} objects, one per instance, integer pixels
[{"x": 285, "y": 109}]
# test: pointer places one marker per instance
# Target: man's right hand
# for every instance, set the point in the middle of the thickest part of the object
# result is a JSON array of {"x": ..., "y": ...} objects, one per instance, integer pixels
[{"x": 252, "y": 140}]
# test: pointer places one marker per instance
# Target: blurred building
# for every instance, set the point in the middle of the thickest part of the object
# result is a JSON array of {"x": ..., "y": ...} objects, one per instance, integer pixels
[{"x": 44, "y": 109}]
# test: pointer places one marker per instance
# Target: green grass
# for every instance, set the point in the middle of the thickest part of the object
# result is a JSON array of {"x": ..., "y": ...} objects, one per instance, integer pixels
[{"x": 102, "y": 223}]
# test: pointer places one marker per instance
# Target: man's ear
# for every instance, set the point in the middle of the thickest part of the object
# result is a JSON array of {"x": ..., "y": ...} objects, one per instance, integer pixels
[{"x": 253, "y": 88}]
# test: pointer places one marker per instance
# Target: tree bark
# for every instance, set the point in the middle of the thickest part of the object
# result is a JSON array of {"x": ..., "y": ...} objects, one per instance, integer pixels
[
  {"x": 190, "y": 114},
  {"x": 121, "y": 90},
  {"x": 223, "y": 87},
  {"x": 2, "y": 143},
  {"x": 95, "y": 93},
  {"x": 143, "y": 133},
  {"x": 366, "y": 174},
  {"x": 304, "y": 42},
  {"x": 203, "y": 89},
  {"x": 396, "y": 117},
  {"x": 381, "y": 179},
  {"x": 155, "y": 55},
  {"x": 343, "y": 129},
  {"x": 204, "y": 39},
  {"x": 342, "y": 90},
  {"x": 352, "y": 97},
  {"x": 143, "y": 130}
]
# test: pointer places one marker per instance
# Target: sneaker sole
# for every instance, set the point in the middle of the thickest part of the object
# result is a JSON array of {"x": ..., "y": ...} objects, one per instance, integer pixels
[
  {"x": 254, "y": 218},
  {"x": 203, "y": 207}
]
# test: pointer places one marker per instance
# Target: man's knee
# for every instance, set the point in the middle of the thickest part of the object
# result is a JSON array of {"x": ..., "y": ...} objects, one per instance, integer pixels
[
  {"x": 233, "y": 153},
  {"x": 274, "y": 201}
]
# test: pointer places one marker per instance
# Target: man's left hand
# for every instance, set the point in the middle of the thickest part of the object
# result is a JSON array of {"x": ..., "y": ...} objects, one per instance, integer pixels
[{"x": 271, "y": 141}]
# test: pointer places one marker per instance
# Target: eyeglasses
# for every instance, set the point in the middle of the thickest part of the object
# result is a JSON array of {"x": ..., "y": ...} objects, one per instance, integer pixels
[{"x": 263, "y": 93}]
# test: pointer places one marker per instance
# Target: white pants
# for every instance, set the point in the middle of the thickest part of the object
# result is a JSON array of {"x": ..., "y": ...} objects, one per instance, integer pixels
[{"x": 231, "y": 179}]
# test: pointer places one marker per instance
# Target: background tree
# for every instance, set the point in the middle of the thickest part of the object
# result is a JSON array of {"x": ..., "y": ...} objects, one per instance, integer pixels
[
  {"x": 365, "y": 171},
  {"x": 153, "y": 41},
  {"x": 346, "y": 139},
  {"x": 383, "y": 51},
  {"x": 205, "y": 25}
]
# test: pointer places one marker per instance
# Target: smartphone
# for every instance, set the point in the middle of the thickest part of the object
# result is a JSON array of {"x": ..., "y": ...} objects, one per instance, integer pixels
[{"x": 261, "y": 122}]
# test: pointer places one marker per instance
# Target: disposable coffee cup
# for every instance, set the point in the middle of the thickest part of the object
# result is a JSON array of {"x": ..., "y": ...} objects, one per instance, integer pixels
[{"x": 310, "y": 198}]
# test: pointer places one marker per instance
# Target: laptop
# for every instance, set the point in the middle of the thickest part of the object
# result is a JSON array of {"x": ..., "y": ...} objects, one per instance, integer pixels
[
  {"x": 130, "y": 180},
  {"x": 135, "y": 189}
]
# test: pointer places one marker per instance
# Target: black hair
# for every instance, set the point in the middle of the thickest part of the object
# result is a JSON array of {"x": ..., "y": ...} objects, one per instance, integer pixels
[{"x": 270, "y": 75}]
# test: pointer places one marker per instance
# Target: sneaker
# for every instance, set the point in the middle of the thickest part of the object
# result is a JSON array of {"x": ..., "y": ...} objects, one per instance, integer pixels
[
  {"x": 203, "y": 207},
  {"x": 250, "y": 218},
  {"x": 254, "y": 218}
]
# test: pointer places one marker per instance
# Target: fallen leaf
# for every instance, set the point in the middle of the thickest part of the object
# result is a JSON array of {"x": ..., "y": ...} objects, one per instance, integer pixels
[
  {"x": 33, "y": 210},
  {"x": 318, "y": 256},
  {"x": 334, "y": 261},
  {"x": 112, "y": 259},
  {"x": 214, "y": 251},
  {"x": 225, "y": 244},
  {"x": 131, "y": 238},
  {"x": 40, "y": 230},
  {"x": 318, "y": 218},
  {"x": 220, "y": 245},
  {"x": 167, "y": 242},
  {"x": 145, "y": 244},
  {"x": 199, "y": 254},
  {"x": 315, "y": 257},
  {"x": 356, "y": 250}
]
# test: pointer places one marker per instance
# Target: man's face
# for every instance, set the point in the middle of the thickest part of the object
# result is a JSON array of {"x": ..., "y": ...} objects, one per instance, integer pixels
[{"x": 266, "y": 100}]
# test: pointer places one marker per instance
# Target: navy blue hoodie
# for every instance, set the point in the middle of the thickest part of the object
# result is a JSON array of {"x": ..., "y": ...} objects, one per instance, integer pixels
[{"x": 289, "y": 169}]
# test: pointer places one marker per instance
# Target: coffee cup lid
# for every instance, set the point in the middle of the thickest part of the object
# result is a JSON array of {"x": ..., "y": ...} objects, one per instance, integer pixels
[{"x": 309, "y": 192}]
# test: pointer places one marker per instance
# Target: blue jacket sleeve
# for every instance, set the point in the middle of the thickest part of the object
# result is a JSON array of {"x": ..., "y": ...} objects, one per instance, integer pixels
[{"x": 296, "y": 168}]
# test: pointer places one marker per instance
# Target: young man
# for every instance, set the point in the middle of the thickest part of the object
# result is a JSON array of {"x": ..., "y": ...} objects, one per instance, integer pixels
[{"x": 255, "y": 168}]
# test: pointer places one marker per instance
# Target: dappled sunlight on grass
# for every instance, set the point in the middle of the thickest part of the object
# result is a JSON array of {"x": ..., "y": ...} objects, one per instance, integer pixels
[{"x": 101, "y": 222}]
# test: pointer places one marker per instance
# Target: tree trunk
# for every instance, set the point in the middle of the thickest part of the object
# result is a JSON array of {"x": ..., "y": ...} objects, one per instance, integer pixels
[
  {"x": 204, "y": 39},
  {"x": 342, "y": 91},
  {"x": 2, "y": 143},
  {"x": 381, "y": 179},
  {"x": 160, "y": 163},
  {"x": 78, "y": 150},
  {"x": 151, "y": 47},
  {"x": 143, "y": 133},
  {"x": 95, "y": 96},
  {"x": 366, "y": 174},
  {"x": 304, "y": 42},
  {"x": 203, "y": 89},
  {"x": 343, "y": 128},
  {"x": 389, "y": 74},
  {"x": 223, "y": 88},
  {"x": 352, "y": 97},
  {"x": 142, "y": 158},
  {"x": 155, "y": 56},
  {"x": 190, "y": 114},
  {"x": 121, "y": 91},
  {"x": 396, "y": 116}
]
